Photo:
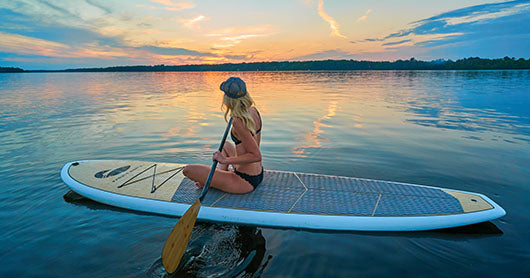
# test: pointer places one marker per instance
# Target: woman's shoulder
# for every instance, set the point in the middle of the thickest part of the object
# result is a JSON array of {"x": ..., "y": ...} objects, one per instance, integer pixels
[{"x": 237, "y": 121}]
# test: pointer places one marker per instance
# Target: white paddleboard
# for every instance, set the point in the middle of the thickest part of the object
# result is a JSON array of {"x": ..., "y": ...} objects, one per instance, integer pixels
[{"x": 283, "y": 199}]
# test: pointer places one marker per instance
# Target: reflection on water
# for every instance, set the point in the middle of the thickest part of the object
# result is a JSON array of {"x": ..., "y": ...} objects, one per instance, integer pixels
[
  {"x": 466, "y": 130},
  {"x": 220, "y": 251},
  {"x": 314, "y": 137},
  {"x": 214, "y": 249}
]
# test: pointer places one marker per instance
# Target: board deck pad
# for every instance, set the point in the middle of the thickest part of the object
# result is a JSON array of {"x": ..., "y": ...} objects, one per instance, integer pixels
[
  {"x": 284, "y": 199},
  {"x": 320, "y": 194}
]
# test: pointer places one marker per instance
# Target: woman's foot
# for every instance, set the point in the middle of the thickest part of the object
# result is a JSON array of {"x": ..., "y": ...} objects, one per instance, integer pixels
[{"x": 199, "y": 185}]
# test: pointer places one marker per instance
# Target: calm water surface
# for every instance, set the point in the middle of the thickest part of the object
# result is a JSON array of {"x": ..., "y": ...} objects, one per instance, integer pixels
[{"x": 466, "y": 130}]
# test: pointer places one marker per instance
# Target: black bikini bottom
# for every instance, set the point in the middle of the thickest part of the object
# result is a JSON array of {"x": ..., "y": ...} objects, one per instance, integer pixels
[{"x": 253, "y": 180}]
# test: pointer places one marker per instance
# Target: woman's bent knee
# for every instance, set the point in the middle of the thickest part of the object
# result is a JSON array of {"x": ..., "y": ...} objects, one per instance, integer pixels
[{"x": 189, "y": 170}]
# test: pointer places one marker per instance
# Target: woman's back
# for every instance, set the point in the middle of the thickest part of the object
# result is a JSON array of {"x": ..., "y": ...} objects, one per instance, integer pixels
[{"x": 255, "y": 167}]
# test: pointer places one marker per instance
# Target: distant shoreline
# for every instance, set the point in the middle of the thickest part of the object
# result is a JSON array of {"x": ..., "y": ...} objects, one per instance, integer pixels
[{"x": 472, "y": 63}]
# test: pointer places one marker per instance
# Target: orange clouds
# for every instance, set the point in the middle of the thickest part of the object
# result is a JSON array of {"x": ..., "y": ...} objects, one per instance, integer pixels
[
  {"x": 229, "y": 37},
  {"x": 31, "y": 46},
  {"x": 190, "y": 23},
  {"x": 330, "y": 20},
  {"x": 365, "y": 16}
]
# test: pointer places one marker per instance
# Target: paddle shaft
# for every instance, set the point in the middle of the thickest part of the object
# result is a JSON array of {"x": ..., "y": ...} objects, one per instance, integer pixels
[
  {"x": 214, "y": 165},
  {"x": 180, "y": 235}
]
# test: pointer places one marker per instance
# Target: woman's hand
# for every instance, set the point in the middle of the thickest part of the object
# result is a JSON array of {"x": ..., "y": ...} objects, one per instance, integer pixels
[{"x": 219, "y": 157}]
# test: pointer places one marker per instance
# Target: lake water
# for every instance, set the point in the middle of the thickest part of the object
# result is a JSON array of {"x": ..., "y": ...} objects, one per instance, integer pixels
[{"x": 466, "y": 130}]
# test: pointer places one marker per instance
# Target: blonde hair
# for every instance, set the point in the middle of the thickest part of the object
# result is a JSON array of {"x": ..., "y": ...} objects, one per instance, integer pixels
[{"x": 238, "y": 107}]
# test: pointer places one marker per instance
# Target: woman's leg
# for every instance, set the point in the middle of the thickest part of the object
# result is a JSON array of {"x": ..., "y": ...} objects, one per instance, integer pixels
[
  {"x": 229, "y": 150},
  {"x": 226, "y": 181}
]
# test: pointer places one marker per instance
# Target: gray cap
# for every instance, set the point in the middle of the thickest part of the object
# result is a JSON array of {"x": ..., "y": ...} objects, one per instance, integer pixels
[{"x": 234, "y": 87}]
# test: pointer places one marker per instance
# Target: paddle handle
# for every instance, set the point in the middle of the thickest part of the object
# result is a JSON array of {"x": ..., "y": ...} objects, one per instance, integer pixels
[{"x": 214, "y": 165}]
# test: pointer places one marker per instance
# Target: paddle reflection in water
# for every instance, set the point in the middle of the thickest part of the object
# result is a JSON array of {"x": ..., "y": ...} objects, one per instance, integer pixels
[
  {"x": 220, "y": 251},
  {"x": 214, "y": 250}
]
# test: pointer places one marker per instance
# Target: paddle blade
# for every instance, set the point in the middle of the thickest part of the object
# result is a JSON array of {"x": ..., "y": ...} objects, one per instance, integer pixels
[{"x": 178, "y": 238}]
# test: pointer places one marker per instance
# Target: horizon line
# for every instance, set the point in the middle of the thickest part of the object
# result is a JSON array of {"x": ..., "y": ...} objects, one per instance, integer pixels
[{"x": 412, "y": 59}]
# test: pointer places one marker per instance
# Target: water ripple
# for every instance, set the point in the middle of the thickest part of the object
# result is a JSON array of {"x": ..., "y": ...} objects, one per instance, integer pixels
[{"x": 467, "y": 130}]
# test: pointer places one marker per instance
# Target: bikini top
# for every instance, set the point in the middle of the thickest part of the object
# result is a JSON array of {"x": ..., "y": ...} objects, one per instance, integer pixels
[{"x": 237, "y": 141}]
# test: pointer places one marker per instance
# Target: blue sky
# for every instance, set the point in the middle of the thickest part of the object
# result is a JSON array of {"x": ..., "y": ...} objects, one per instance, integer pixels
[{"x": 47, "y": 34}]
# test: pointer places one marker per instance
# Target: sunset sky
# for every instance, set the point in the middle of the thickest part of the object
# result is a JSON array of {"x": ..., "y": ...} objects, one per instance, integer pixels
[{"x": 46, "y": 34}]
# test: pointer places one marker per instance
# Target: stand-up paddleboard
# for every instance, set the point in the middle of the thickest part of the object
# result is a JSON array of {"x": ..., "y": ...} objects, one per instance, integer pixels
[{"x": 283, "y": 199}]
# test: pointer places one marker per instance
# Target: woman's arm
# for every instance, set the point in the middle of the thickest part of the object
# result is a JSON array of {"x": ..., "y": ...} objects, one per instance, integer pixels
[{"x": 253, "y": 153}]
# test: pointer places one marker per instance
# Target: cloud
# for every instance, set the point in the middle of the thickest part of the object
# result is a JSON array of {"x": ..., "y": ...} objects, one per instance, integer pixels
[
  {"x": 24, "y": 46},
  {"x": 94, "y": 50},
  {"x": 256, "y": 29},
  {"x": 31, "y": 51},
  {"x": 467, "y": 20},
  {"x": 14, "y": 43},
  {"x": 79, "y": 47},
  {"x": 58, "y": 9},
  {"x": 29, "y": 46},
  {"x": 237, "y": 57},
  {"x": 234, "y": 35},
  {"x": 174, "y": 51},
  {"x": 397, "y": 42},
  {"x": 191, "y": 23},
  {"x": 220, "y": 45},
  {"x": 71, "y": 14},
  {"x": 326, "y": 54},
  {"x": 81, "y": 33},
  {"x": 330, "y": 20},
  {"x": 238, "y": 39},
  {"x": 365, "y": 16},
  {"x": 494, "y": 23},
  {"x": 174, "y": 6},
  {"x": 479, "y": 12},
  {"x": 79, "y": 23},
  {"x": 171, "y": 43},
  {"x": 151, "y": 7},
  {"x": 107, "y": 10}
]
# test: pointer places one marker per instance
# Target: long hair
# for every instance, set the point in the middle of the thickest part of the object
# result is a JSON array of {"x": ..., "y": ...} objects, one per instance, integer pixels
[{"x": 238, "y": 107}]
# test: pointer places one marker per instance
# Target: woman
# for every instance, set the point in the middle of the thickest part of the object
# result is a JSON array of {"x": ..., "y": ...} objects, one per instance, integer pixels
[{"x": 245, "y": 156}]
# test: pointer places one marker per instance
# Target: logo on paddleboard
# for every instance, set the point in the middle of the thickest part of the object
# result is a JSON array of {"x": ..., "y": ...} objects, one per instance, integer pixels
[{"x": 110, "y": 173}]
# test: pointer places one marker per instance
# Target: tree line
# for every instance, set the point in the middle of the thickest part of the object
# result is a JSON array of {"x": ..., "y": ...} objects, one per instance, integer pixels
[
  {"x": 10, "y": 69},
  {"x": 472, "y": 63}
]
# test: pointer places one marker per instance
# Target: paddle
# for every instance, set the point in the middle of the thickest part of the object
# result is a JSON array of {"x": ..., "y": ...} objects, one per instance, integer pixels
[{"x": 180, "y": 235}]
